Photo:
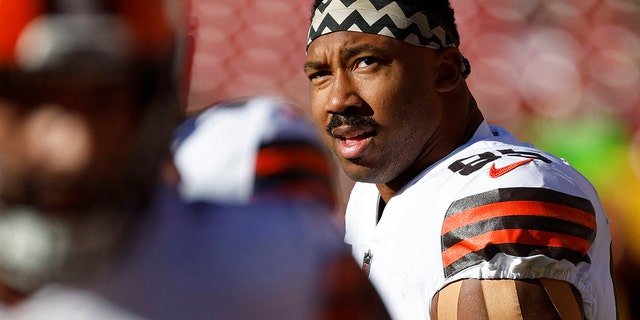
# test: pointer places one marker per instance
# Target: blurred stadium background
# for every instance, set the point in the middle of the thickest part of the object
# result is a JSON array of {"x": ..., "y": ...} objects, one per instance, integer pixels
[{"x": 564, "y": 75}]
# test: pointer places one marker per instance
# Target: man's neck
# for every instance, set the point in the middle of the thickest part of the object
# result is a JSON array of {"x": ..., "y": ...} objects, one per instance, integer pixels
[{"x": 473, "y": 121}]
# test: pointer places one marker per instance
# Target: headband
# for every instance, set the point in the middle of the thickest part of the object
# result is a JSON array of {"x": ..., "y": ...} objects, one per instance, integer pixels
[{"x": 381, "y": 17}]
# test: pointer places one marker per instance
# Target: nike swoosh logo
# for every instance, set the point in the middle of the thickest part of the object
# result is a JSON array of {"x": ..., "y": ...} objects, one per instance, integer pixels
[{"x": 497, "y": 172}]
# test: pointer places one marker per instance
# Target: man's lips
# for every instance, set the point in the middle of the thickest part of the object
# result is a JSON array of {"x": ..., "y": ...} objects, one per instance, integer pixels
[{"x": 351, "y": 142}]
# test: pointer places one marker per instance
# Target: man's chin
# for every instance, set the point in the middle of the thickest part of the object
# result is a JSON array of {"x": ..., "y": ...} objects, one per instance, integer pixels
[
  {"x": 357, "y": 171},
  {"x": 35, "y": 248},
  {"x": 38, "y": 248}
]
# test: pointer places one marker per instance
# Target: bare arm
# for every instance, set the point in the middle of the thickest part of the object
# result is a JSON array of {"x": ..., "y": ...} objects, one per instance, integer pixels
[{"x": 508, "y": 300}]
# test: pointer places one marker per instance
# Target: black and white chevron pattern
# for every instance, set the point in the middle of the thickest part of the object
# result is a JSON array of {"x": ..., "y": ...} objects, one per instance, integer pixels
[{"x": 381, "y": 17}]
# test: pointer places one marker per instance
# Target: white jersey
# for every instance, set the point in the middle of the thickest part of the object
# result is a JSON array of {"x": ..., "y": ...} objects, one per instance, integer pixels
[
  {"x": 60, "y": 302},
  {"x": 236, "y": 150},
  {"x": 495, "y": 208}
]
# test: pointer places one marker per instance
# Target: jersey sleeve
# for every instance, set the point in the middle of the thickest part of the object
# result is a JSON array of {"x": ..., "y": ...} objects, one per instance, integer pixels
[
  {"x": 519, "y": 222},
  {"x": 521, "y": 213}
]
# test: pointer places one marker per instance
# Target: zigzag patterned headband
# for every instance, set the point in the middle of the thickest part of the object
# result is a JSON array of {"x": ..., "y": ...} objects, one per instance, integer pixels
[{"x": 381, "y": 17}]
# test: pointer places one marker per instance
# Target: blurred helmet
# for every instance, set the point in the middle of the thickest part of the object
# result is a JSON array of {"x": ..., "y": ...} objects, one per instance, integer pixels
[
  {"x": 38, "y": 34},
  {"x": 97, "y": 37}
]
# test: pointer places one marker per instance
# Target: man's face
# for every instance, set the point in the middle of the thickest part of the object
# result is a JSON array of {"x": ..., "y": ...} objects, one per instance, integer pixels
[
  {"x": 66, "y": 143},
  {"x": 373, "y": 98},
  {"x": 63, "y": 144}
]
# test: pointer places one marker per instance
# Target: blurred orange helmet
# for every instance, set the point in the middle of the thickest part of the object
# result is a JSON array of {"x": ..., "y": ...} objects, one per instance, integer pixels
[
  {"x": 96, "y": 36},
  {"x": 40, "y": 33},
  {"x": 14, "y": 17}
]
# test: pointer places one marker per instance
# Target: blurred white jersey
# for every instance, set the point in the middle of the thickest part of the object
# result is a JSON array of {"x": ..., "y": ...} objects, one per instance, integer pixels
[
  {"x": 495, "y": 208},
  {"x": 239, "y": 150},
  {"x": 59, "y": 302}
]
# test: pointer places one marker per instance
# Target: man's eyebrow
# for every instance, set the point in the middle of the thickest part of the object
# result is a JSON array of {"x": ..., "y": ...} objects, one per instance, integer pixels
[
  {"x": 345, "y": 53},
  {"x": 356, "y": 50},
  {"x": 314, "y": 65}
]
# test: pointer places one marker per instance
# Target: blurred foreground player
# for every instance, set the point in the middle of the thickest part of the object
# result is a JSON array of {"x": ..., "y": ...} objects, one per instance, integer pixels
[
  {"x": 87, "y": 107},
  {"x": 91, "y": 228}
]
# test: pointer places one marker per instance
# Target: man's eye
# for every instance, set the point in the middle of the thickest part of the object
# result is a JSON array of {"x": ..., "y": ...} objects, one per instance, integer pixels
[
  {"x": 317, "y": 75},
  {"x": 366, "y": 62}
]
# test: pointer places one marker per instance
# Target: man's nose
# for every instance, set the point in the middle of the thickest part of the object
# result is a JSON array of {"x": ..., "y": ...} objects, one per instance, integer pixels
[
  {"x": 56, "y": 140},
  {"x": 344, "y": 94}
]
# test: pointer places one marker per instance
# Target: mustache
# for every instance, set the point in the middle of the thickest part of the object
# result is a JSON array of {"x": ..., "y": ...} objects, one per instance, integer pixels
[{"x": 338, "y": 120}]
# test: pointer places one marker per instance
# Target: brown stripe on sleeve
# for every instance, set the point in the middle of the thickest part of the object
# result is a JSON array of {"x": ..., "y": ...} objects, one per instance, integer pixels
[{"x": 565, "y": 298}]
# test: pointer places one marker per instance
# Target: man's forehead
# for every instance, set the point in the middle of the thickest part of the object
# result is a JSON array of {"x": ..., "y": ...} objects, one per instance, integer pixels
[
  {"x": 347, "y": 43},
  {"x": 35, "y": 87}
]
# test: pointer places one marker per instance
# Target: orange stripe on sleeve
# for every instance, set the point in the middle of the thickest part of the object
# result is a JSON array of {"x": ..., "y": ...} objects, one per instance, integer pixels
[
  {"x": 519, "y": 208},
  {"x": 518, "y": 236}
]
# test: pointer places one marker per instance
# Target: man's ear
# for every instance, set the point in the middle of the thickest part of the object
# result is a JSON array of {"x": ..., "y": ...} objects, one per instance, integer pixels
[{"x": 449, "y": 70}]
